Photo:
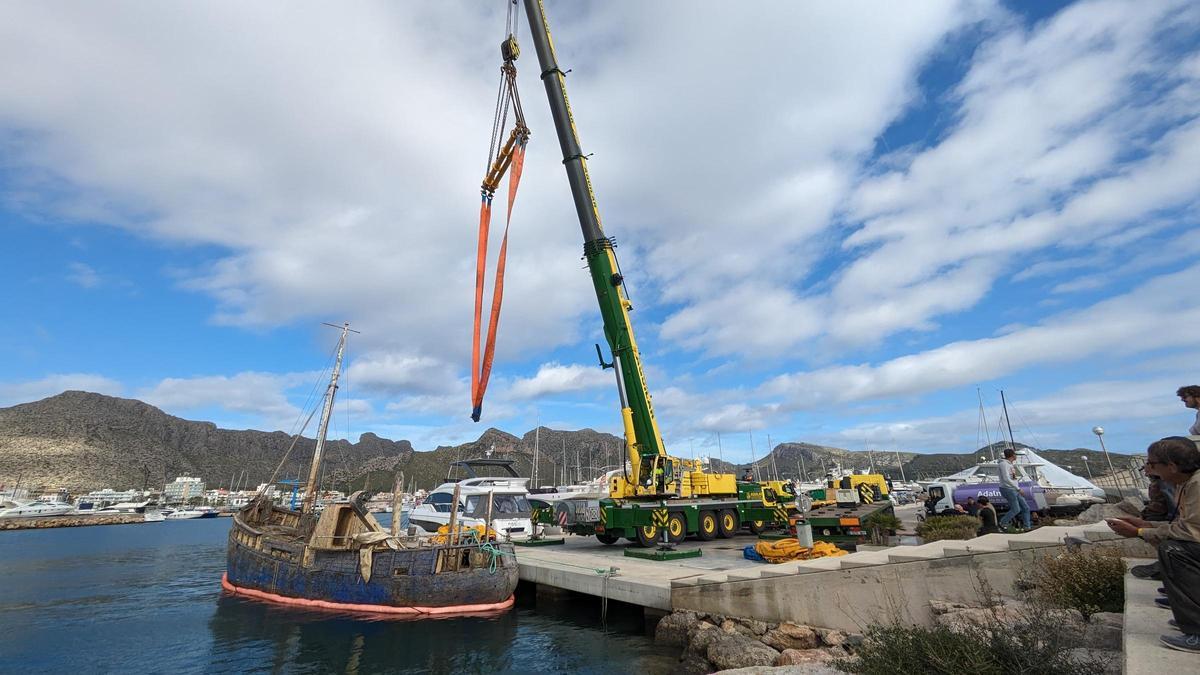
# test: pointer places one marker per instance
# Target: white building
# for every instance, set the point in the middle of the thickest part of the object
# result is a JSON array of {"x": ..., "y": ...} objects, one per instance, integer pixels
[
  {"x": 183, "y": 489},
  {"x": 107, "y": 497}
]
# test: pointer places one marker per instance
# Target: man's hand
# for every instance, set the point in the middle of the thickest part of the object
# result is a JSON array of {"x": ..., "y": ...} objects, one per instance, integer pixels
[
  {"x": 1122, "y": 527},
  {"x": 1136, "y": 522}
]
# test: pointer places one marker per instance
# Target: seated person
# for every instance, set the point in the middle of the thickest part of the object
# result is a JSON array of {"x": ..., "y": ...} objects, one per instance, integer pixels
[
  {"x": 987, "y": 514},
  {"x": 1176, "y": 460}
]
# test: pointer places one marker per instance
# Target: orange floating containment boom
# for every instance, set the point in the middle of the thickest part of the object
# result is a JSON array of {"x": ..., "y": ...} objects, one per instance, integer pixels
[{"x": 508, "y": 158}]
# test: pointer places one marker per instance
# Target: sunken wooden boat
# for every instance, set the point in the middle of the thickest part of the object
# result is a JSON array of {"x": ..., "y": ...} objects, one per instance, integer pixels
[{"x": 343, "y": 559}]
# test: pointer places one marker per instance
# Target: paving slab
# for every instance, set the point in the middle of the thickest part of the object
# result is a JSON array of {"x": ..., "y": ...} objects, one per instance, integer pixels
[{"x": 1144, "y": 623}]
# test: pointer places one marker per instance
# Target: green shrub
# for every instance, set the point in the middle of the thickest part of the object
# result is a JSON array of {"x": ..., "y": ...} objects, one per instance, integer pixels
[
  {"x": 880, "y": 524},
  {"x": 937, "y": 528},
  {"x": 1035, "y": 644},
  {"x": 1090, "y": 581}
]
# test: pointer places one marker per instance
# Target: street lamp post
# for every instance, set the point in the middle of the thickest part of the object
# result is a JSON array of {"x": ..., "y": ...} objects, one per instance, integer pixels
[
  {"x": 1099, "y": 431},
  {"x": 1088, "y": 467}
]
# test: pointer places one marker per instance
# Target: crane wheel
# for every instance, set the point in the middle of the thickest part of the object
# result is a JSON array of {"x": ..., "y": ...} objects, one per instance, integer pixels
[
  {"x": 648, "y": 535},
  {"x": 708, "y": 526},
  {"x": 727, "y": 524},
  {"x": 758, "y": 526},
  {"x": 676, "y": 528},
  {"x": 606, "y": 538}
]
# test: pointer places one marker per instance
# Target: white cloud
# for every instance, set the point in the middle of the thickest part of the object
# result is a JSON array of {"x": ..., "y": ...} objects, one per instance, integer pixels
[
  {"x": 83, "y": 275},
  {"x": 1061, "y": 419},
  {"x": 12, "y": 393},
  {"x": 1123, "y": 325},
  {"x": 259, "y": 394},
  {"x": 555, "y": 378}
]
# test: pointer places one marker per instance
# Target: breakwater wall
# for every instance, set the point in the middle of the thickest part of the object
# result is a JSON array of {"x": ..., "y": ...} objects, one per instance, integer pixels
[{"x": 70, "y": 521}]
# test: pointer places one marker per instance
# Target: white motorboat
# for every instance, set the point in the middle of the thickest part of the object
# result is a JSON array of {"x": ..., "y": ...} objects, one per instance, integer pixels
[
  {"x": 124, "y": 507},
  {"x": 185, "y": 514},
  {"x": 154, "y": 516},
  {"x": 510, "y": 504},
  {"x": 33, "y": 509}
]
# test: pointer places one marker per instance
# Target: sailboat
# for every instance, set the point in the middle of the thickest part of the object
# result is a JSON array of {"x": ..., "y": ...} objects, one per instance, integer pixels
[{"x": 342, "y": 559}]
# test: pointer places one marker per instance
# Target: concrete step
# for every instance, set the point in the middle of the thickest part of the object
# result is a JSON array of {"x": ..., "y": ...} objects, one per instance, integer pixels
[
  {"x": 863, "y": 559},
  {"x": 1144, "y": 622}
]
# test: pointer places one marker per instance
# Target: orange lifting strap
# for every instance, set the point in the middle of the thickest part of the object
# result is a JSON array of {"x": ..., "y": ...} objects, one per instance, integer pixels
[{"x": 510, "y": 156}]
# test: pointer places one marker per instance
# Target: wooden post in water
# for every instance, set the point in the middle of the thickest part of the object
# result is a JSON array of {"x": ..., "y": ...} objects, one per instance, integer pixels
[
  {"x": 451, "y": 537},
  {"x": 487, "y": 523},
  {"x": 397, "y": 492}
]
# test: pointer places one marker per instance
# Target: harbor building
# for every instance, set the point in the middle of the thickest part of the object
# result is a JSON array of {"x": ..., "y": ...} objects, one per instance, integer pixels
[{"x": 182, "y": 489}]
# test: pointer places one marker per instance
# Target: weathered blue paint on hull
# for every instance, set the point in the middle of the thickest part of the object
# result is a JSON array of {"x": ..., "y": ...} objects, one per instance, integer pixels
[{"x": 403, "y": 578}]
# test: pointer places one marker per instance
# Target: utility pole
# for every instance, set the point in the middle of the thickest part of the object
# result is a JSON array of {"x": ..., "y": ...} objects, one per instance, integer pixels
[{"x": 1099, "y": 431}]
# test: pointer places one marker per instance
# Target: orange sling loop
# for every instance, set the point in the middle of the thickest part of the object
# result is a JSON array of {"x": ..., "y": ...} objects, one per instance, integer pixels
[
  {"x": 509, "y": 155},
  {"x": 480, "y": 374}
]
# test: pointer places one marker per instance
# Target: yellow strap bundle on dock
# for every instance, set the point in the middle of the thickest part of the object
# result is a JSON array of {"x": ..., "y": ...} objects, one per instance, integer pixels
[{"x": 787, "y": 550}]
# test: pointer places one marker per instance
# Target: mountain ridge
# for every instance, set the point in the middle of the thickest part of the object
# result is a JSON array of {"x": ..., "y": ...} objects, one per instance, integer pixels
[{"x": 82, "y": 441}]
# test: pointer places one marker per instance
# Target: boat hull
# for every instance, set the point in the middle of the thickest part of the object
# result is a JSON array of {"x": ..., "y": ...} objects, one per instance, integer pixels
[{"x": 390, "y": 581}]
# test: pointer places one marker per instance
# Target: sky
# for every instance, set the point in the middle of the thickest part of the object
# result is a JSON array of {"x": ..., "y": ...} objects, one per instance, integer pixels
[{"x": 843, "y": 223}]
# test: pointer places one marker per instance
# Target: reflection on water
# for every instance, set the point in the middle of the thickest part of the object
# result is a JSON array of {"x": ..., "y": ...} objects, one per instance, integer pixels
[{"x": 147, "y": 598}]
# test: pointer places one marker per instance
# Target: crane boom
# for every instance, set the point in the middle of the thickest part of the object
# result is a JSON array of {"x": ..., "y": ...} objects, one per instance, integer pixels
[{"x": 642, "y": 437}]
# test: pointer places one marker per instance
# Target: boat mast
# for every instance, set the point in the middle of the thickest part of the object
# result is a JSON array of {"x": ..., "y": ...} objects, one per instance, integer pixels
[
  {"x": 1011, "y": 443},
  {"x": 983, "y": 422},
  {"x": 310, "y": 489}
]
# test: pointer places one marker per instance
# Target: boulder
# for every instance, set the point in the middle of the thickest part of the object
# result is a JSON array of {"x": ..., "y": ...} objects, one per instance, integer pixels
[
  {"x": 788, "y": 635},
  {"x": 733, "y": 627},
  {"x": 672, "y": 629},
  {"x": 1104, "y": 630},
  {"x": 739, "y": 651},
  {"x": 806, "y": 669},
  {"x": 757, "y": 627},
  {"x": 1100, "y": 661},
  {"x": 801, "y": 657},
  {"x": 831, "y": 638},
  {"x": 1130, "y": 506},
  {"x": 692, "y": 663},
  {"x": 702, "y": 635}
]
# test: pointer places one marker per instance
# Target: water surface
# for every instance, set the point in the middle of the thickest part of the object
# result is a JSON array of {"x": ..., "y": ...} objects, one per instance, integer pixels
[{"x": 147, "y": 598}]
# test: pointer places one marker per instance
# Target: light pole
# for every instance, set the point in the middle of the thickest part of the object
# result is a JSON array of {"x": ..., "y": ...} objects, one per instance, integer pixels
[
  {"x": 1099, "y": 431},
  {"x": 1088, "y": 467}
]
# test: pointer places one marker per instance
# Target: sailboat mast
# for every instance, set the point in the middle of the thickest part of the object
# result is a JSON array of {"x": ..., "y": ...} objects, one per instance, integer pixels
[
  {"x": 310, "y": 490},
  {"x": 1011, "y": 443},
  {"x": 983, "y": 420}
]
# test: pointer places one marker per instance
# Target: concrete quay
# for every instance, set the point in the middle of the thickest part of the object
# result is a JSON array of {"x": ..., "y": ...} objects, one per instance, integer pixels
[{"x": 845, "y": 593}]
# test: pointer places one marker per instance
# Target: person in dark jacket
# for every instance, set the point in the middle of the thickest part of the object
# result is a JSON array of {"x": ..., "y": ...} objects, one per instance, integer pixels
[
  {"x": 971, "y": 508},
  {"x": 987, "y": 513}
]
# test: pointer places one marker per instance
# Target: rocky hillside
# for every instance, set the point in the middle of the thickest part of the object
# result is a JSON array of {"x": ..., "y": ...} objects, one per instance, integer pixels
[{"x": 83, "y": 441}]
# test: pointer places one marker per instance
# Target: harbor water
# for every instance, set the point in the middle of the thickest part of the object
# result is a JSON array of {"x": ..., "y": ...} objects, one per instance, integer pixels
[{"x": 147, "y": 598}]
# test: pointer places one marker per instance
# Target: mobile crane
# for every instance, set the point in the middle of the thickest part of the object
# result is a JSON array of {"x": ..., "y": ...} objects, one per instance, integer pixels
[{"x": 657, "y": 491}]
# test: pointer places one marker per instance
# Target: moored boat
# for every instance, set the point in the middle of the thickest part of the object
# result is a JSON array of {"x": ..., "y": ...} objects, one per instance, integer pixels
[{"x": 343, "y": 559}]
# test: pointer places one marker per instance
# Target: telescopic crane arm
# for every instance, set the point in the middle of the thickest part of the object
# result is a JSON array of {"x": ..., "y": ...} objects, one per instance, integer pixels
[{"x": 643, "y": 441}]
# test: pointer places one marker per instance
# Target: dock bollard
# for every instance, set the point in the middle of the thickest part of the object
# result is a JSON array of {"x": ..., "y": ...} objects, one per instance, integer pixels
[{"x": 804, "y": 534}]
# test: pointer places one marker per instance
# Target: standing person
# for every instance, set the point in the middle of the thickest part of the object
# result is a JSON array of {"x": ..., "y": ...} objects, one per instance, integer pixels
[
  {"x": 987, "y": 514},
  {"x": 1190, "y": 395},
  {"x": 1011, "y": 491},
  {"x": 1175, "y": 459}
]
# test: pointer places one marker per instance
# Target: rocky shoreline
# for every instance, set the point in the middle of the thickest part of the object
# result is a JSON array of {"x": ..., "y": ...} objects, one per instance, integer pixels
[
  {"x": 714, "y": 643},
  {"x": 70, "y": 521}
]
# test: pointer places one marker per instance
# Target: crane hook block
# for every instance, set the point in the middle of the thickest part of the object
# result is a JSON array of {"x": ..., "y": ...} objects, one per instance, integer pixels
[{"x": 509, "y": 49}]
